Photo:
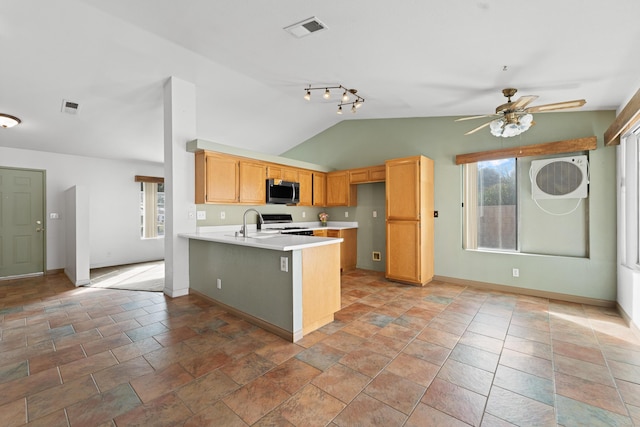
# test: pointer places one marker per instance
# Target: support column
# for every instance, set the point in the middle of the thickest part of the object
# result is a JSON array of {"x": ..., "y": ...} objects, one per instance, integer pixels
[{"x": 179, "y": 187}]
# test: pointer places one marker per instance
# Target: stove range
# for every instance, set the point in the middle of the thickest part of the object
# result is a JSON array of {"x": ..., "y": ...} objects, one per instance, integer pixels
[{"x": 285, "y": 219}]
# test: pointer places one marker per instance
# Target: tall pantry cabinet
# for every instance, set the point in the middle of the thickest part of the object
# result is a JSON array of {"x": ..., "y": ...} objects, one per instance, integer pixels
[{"x": 409, "y": 217}]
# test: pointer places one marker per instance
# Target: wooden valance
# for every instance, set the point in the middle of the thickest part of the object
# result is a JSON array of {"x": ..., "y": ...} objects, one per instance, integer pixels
[
  {"x": 156, "y": 179},
  {"x": 566, "y": 146},
  {"x": 628, "y": 117}
]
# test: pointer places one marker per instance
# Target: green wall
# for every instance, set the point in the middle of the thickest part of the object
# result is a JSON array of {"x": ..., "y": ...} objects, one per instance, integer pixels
[
  {"x": 356, "y": 143},
  {"x": 251, "y": 280}
]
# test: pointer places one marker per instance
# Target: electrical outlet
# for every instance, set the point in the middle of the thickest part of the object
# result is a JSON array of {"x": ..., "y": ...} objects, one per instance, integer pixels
[
  {"x": 346, "y": 214},
  {"x": 376, "y": 256},
  {"x": 284, "y": 264},
  {"x": 222, "y": 215},
  {"x": 516, "y": 272},
  {"x": 304, "y": 214},
  {"x": 219, "y": 283},
  {"x": 201, "y": 215},
  {"x": 375, "y": 214}
]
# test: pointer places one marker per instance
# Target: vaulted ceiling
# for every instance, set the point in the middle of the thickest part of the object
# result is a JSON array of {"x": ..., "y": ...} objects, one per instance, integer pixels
[{"x": 406, "y": 58}]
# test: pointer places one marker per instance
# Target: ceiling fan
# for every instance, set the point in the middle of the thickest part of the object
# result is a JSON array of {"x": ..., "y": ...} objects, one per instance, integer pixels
[{"x": 513, "y": 118}]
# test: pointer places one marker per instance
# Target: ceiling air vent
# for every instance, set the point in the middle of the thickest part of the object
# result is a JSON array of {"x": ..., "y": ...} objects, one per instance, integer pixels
[
  {"x": 306, "y": 27},
  {"x": 69, "y": 107}
]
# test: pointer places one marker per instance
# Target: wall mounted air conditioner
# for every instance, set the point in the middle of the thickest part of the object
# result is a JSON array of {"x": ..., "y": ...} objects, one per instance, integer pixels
[{"x": 560, "y": 178}]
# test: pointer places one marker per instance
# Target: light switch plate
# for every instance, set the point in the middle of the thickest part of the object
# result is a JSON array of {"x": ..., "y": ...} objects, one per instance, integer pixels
[{"x": 201, "y": 215}]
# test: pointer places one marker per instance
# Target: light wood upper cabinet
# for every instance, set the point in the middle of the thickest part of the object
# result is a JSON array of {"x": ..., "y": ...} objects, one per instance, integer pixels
[
  {"x": 366, "y": 175},
  {"x": 340, "y": 192},
  {"x": 227, "y": 179},
  {"x": 377, "y": 173},
  {"x": 216, "y": 178},
  {"x": 409, "y": 215},
  {"x": 274, "y": 172},
  {"x": 252, "y": 183},
  {"x": 291, "y": 175},
  {"x": 403, "y": 189},
  {"x": 305, "y": 178},
  {"x": 319, "y": 189}
]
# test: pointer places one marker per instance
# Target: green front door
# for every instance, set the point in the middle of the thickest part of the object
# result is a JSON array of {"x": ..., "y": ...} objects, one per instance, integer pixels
[{"x": 21, "y": 222}]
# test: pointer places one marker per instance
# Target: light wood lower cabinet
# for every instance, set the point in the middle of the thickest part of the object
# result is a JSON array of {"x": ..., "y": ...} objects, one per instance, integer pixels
[
  {"x": 348, "y": 247},
  {"x": 403, "y": 251},
  {"x": 409, "y": 215},
  {"x": 320, "y": 286}
]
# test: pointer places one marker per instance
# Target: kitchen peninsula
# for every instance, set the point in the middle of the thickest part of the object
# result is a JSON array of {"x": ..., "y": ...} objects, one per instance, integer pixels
[{"x": 287, "y": 284}]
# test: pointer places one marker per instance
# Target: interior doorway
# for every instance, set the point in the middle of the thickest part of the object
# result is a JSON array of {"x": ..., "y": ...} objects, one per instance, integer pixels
[{"x": 22, "y": 222}]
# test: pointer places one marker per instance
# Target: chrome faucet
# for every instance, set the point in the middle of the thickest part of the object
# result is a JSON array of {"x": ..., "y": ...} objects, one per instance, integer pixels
[{"x": 243, "y": 230}]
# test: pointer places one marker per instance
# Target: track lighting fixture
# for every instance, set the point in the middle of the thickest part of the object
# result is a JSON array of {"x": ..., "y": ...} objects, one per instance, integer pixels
[{"x": 345, "y": 99}]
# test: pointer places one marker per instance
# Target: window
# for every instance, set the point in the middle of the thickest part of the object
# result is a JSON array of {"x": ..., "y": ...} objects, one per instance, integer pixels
[
  {"x": 491, "y": 213},
  {"x": 151, "y": 210}
]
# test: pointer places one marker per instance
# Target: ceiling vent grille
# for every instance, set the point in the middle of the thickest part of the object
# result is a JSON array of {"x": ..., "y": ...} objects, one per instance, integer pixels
[
  {"x": 70, "y": 107},
  {"x": 306, "y": 27}
]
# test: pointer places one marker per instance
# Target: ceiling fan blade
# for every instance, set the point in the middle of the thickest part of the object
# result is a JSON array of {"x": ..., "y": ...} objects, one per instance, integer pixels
[
  {"x": 556, "y": 106},
  {"x": 522, "y": 102},
  {"x": 475, "y": 117},
  {"x": 478, "y": 128}
]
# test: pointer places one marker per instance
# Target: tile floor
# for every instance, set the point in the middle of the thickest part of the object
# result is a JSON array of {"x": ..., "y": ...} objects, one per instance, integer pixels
[{"x": 442, "y": 355}]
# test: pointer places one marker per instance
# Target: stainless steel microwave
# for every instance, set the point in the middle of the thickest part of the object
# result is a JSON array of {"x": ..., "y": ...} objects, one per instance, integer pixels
[{"x": 282, "y": 192}]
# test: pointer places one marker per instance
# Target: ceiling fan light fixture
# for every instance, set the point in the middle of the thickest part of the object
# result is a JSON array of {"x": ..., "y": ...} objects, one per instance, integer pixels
[
  {"x": 516, "y": 116},
  {"x": 8, "y": 121},
  {"x": 526, "y": 120}
]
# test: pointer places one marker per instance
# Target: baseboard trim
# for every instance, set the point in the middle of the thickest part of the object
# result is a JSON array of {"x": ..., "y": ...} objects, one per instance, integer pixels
[
  {"x": 628, "y": 320},
  {"x": 282, "y": 333},
  {"x": 54, "y": 271},
  {"x": 525, "y": 291}
]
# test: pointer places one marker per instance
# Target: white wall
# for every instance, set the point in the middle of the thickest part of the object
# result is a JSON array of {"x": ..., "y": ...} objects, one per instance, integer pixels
[
  {"x": 114, "y": 204},
  {"x": 628, "y": 250}
]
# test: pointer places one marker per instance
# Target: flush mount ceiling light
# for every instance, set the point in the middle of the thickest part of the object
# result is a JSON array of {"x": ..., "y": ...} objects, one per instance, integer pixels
[
  {"x": 8, "y": 121},
  {"x": 348, "y": 97}
]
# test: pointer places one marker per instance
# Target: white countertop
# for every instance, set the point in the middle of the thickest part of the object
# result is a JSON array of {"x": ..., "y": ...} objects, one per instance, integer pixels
[
  {"x": 270, "y": 239},
  {"x": 275, "y": 241}
]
